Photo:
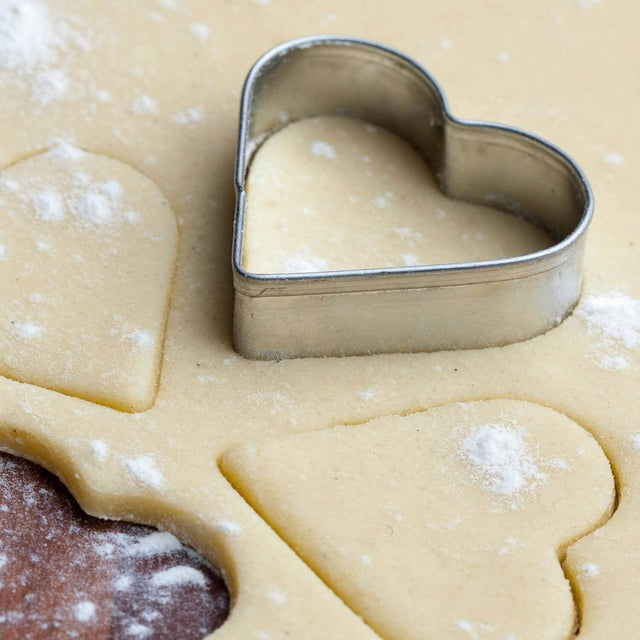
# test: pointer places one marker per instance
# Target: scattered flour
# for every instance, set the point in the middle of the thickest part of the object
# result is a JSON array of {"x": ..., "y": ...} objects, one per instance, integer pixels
[
  {"x": 229, "y": 527},
  {"x": 48, "y": 205},
  {"x": 177, "y": 576},
  {"x": 143, "y": 470},
  {"x": 199, "y": 31},
  {"x": 614, "y": 315},
  {"x": 589, "y": 569},
  {"x": 614, "y": 362},
  {"x": 409, "y": 260},
  {"x": 49, "y": 86},
  {"x": 26, "y": 330},
  {"x": 382, "y": 201},
  {"x": 103, "y": 96},
  {"x": 144, "y": 105},
  {"x": 31, "y": 43},
  {"x": 97, "y": 204},
  {"x": 28, "y": 38},
  {"x": 3, "y": 252},
  {"x": 9, "y": 183},
  {"x": 323, "y": 149},
  {"x": 84, "y": 611},
  {"x": 99, "y": 449},
  {"x": 277, "y": 597},
  {"x": 467, "y": 627},
  {"x": 157, "y": 543},
  {"x": 474, "y": 630},
  {"x": 501, "y": 458},
  {"x": 635, "y": 441},
  {"x": 123, "y": 582},
  {"x": 139, "y": 339},
  {"x": 303, "y": 261},
  {"x": 189, "y": 115},
  {"x": 614, "y": 159},
  {"x": 65, "y": 151},
  {"x": 139, "y": 631},
  {"x": 616, "y": 318},
  {"x": 367, "y": 394},
  {"x": 90, "y": 204}
]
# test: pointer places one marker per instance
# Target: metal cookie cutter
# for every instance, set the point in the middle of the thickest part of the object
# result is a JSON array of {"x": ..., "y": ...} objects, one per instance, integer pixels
[{"x": 403, "y": 309}]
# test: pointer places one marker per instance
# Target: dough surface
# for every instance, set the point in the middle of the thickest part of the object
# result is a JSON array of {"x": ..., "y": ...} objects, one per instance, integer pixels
[
  {"x": 334, "y": 193},
  {"x": 436, "y": 516},
  {"x": 155, "y": 87},
  {"x": 88, "y": 255}
]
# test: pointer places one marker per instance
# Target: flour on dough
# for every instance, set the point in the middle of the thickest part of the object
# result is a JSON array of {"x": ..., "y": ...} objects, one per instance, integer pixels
[
  {"x": 333, "y": 192},
  {"x": 89, "y": 246},
  {"x": 427, "y": 521}
]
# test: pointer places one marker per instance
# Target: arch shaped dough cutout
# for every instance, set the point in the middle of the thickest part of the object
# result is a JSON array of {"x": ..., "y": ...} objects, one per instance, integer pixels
[
  {"x": 445, "y": 523},
  {"x": 89, "y": 246}
]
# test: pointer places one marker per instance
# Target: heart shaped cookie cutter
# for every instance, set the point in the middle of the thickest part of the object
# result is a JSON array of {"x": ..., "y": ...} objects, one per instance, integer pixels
[{"x": 418, "y": 308}]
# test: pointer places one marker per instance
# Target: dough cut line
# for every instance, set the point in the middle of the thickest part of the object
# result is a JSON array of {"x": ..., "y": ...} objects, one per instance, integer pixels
[{"x": 418, "y": 308}]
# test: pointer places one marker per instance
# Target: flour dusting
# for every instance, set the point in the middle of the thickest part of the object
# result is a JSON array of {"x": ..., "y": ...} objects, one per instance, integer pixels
[
  {"x": 323, "y": 149},
  {"x": 27, "y": 331},
  {"x": 99, "y": 449},
  {"x": 28, "y": 38},
  {"x": 502, "y": 459},
  {"x": 84, "y": 611},
  {"x": 143, "y": 469},
  {"x": 189, "y": 115},
  {"x": 177, "y": 576},
  {"x": 144, "y": 105},
  {"x": 48, "y": 205},
  {"x": 33, "y": 43},
  {"x": 589, "y": 569},
  {"x": 303, "y": 261},
  {"x": 614, "y": 317}
]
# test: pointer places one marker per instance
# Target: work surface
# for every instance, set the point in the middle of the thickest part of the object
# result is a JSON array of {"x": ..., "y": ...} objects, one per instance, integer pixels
[{"x": 115, "y": 330}]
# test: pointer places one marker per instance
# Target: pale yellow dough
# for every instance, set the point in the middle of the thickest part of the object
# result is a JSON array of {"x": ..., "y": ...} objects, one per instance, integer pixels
[
  {"x": 402, "y": 521},
  {"x": 334, "y": 193},
  {"x": 88, "y": 255},
  {"x": 155, "y": 86}
]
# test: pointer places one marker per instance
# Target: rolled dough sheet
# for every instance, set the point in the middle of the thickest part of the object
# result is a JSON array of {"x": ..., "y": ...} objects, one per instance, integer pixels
[{"x": 155, "y": 86}]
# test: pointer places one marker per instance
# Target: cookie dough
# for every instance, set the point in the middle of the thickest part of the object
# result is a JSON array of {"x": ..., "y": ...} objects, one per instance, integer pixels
[
  {"x": 436, "y": 516},
  {"x": 65, "y": 574},
  {"x": 155, "y": 87},
  {"x": 88, "y": 252},
  {"x": 333, "y": 192}
]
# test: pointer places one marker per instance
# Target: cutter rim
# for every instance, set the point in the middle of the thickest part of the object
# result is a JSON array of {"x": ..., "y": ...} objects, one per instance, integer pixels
[{"x": 448, "y": 274}]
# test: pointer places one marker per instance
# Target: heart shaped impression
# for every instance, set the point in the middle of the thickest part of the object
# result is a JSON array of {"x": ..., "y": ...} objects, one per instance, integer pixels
[
  {"x": 87, "y": 252},
  {"x": 470, "y": 304}
]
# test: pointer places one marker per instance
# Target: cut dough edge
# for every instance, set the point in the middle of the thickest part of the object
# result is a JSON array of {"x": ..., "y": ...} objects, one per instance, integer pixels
[
  {"x": 213, "y": 540},
  {"x": 227, "y": 468},
  {"x": 133, "y": 397},
  {"x": 53, "y": 455}
]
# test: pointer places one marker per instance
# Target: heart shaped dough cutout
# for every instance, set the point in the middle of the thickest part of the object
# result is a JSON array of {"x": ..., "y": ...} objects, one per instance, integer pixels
[
  {"x": 87, "y": 253},
  {"x": 448, "y": 523}
]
